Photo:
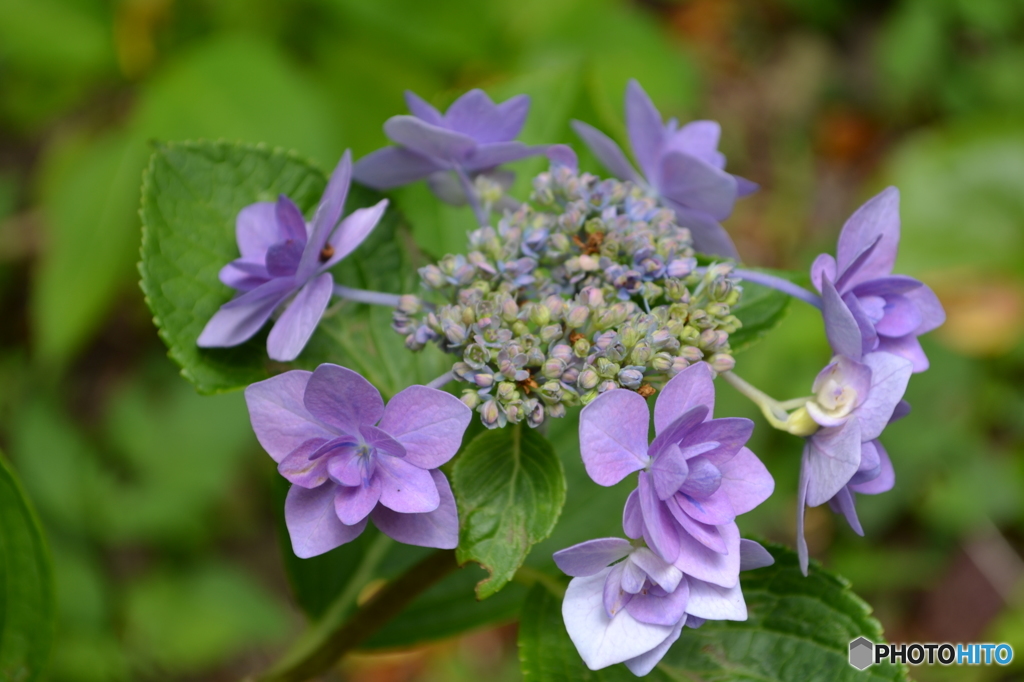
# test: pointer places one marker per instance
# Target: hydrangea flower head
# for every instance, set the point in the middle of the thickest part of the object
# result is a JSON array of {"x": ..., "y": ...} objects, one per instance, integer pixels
[
  {"x": 695, "y": 477},
  {"x": 866, "y": 307},
  {"x": 286, "y": 262},
  {"x": 474, "y": 135},
  {"x": 625, "y": 604},
  {"x": 350, "y": 458},
  {"x": 853, "y": 403},
  {"x": 681, "y": 164}
]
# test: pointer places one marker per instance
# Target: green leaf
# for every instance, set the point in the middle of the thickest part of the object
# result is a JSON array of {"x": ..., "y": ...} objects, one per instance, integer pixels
[
  {"x": 798, "y": 629},
  {"x": 510, "y": 489},
  {"x": 26, "y": 585},
  {"x": 191, "y": 196},
  {"x": 760, "y": 309}
]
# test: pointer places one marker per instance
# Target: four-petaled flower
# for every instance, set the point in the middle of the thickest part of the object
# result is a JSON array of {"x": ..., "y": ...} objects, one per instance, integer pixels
[
  {"x": 625, "y": 604},
  {"x": 681, "y": 164},
  {"x": 866, "y": 307},
  {"x": 285, "y": 259},
  {"x": 350, "y": 458},
  {"x": 473, "y": 136},
  {"x": 853, "y": 401},
  {"x": 695, "y": 477}
]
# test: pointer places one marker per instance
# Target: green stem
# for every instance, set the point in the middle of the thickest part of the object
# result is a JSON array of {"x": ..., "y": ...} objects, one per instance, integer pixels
[
  {"x": 320, "y": 651},
  {"x": 770, "y": 408}
]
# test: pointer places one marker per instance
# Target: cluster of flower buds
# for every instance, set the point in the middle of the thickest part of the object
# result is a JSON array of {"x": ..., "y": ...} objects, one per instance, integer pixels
[{"x": 591, "y": 286}]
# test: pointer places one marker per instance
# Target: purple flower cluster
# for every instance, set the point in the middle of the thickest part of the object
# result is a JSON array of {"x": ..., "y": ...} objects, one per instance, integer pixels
[
  {"x": 872, "y": 321},
  {"x": 350, "y": 458},
  {"x": 685, "y": 552}
]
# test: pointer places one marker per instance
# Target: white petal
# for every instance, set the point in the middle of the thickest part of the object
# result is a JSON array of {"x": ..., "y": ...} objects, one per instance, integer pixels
[{"x": 714, "y": 602}]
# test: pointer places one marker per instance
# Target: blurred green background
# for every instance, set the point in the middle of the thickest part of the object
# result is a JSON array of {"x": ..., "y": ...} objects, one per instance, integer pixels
[{"x": 157, "y": 502}]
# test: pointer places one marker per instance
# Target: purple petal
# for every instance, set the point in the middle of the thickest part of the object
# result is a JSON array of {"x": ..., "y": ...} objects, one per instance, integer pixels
[
  {"x": 731, "y": 433},
  {"x": 709, "y": 237},
  {"x": 704, "y": 479},
  {"x": 350, "y": 467},
  {"x": 843, "y": 503},
  {"x": 381, "y": 441},
  {"x": 862, "y": 315},
  {"x": 902, "y": 317},
  {"x": 633, "y": 577},
  {"x": 632, "y": 517},
  {"x": 890, "y": 375},
  {"x": 421, "y": 109},
  {"x": 240, "y": 318},
  {"x": 587, "y": 558},
  {"x": 291, "y": 225},
  {"x": 352, "y": 231},
  {"x": 283, "y": 258},
  {"x": 297, "y": 323},
  {"x": 429, "y": 140},
  {"x": 887, "y": 286},
  {"x": 709, "y": 536},
  {"x": 716, "y": 603},
  {"x": 643, "y": 123},
  {"x": 878, "y": 218},
  {"x": 613, "y": 436},
  {"x": 244, "y": 275},
  {"x": 801, "y": 507},
  {"x": 746, "y": 481},
  {"x": 853, "y": 266},
  {"x": 313, "y": 525},
  {"x": 494, "y": 154},
  {"x": 688, "y": 389},
  {"x": 932, "y": 313},
  {"x": 695, "y": 184},
  {"x": 256, "y": 230},
  {"x": 475, "y": 115},
  {"x": 354, "y": 504},
  {"x": 700, "y": 139},
  {"x": 562, "y": 155},
  {"x": 832, "y": 460},
  {"x": 660, "y": 572},
  {"x": 659, "y": 530},
  {"x": 885, "y": 479},
  {"x": 281, "y": 421},
  {"x": 614, "y": 596},
  {"x": 678, "y": 431},
  {"x": 405, "y": 488},
  {"x": 714, "y": 509},
  {"x": 823, "y": 266},
  {"x": 300, "y": 466},
  {"x": 429, "y": 423},
  {"x": 669, "y": 471},
  {"x": 906, "y": 347},
  {"x": 754, "y": 556},
  {"x": 644, "y": 663},
  {"x": 606, "y": 151},
  {"x": 342, "y": 399},
  {"x": 327, "y": 215},
  {"x": 841, "y": 328},
  {"x": 392, "y": 167},
  {"x": 659, "y": 607},
  {"x": 744, "y": 187},
  {"x": 701, "y": 562},
  {"x": 439, "y": 528}
]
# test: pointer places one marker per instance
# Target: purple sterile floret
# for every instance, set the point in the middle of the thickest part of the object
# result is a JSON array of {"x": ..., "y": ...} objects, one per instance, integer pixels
[
  {"x": 694, "y": 478},
  {"x": 626, "y": 604},
  {"x": 351, "y": 458},
  {"x": 866, "y": 307},
  {"x": 473, "y": 136},
  {"x": 286, "y": 262},
  {"x": 852, "y": 403},
  {"x": 681, "y": 164}
]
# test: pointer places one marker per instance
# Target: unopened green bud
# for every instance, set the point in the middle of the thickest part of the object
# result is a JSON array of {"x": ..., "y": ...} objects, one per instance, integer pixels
[
  {"x": 581, "y": 347},
  {"x": 507, "y": 391},
  {"x": 588, "y": 397},
  {"x": 641, "y": 354},
  {"x": 539, "y": 314},
  {"x": 661, "y": 362},
  {"x": 606, "y": 368},
  {"x": 800, "y": 423},
  {"x": 470, "y": 398},
  {"x": 588, "y": 379},
  {"x": 550, "y": 333},
  {"x": 722, "y": 362}
]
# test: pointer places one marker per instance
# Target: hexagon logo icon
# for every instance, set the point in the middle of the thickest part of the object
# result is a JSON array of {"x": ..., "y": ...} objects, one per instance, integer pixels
[{"x": 862, "y": 653}]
